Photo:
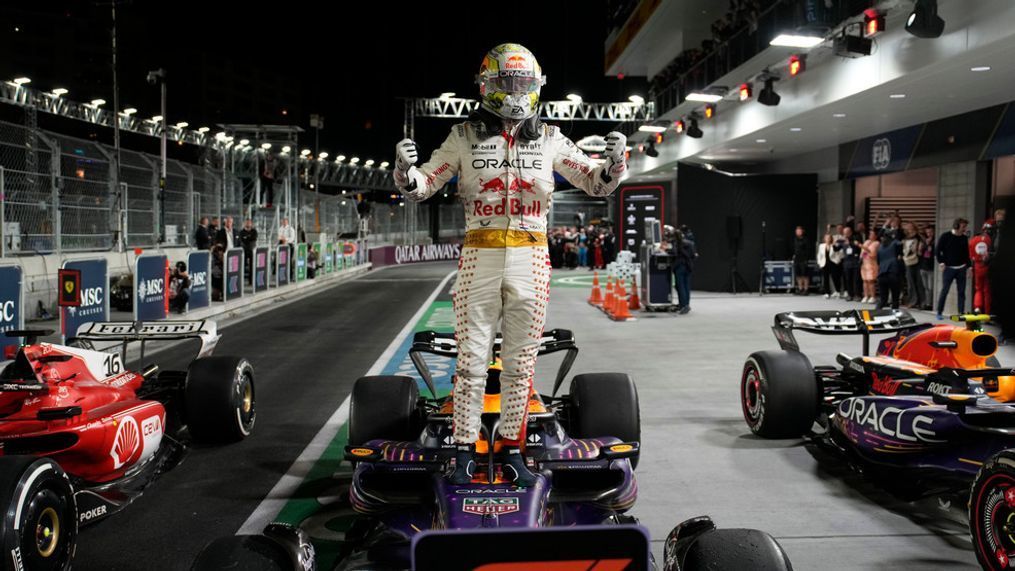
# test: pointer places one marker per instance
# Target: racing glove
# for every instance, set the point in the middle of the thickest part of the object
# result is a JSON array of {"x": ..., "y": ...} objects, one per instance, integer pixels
[
  {"x": 616, "y": 151},
  {"x": 406, "y": 155}
]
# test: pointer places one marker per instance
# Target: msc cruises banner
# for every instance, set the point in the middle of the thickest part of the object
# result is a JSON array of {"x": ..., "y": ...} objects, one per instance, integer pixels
[
  {"x": 94, "y": 304},
  {"x": 260, "y": 269},
  {"x": 151, "y": 285},
  {"x": 11, "y": 314},
  {"x": 198, "y": 266}
]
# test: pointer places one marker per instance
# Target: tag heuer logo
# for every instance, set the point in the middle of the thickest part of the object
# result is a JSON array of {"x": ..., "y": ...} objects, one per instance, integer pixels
[{"x": 484, "y": 506}]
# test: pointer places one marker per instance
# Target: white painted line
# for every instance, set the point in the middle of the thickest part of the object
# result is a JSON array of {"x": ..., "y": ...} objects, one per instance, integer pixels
[{"x": 287, "y": 485}]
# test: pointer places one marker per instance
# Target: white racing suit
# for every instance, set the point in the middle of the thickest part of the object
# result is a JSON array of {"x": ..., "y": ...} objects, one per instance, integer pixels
[{"x": 506, "y": 185}]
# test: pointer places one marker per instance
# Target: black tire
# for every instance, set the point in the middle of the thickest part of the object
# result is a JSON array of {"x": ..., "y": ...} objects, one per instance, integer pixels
[
  {"x": 605, "y": 404},
  {"x": 733, "y": 550},
  {"x": 383, "y": 407},
  {"x": 253, "y": 552},
  {"x": 40, "y": 525},
  {"x": 220, "y": 399},
  {"x": 992, "y": 499},
  {"x": 779, "y": 394}
]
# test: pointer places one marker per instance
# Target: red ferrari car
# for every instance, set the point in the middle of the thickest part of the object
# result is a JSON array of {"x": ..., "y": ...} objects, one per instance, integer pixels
[{"x": 81, "y": 436}]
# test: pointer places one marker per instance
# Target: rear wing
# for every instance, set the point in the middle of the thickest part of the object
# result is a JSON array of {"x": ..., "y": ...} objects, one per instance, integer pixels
[
  {"x": 863, "y": 322},
  {"x": 130, "y": 331},
  {"x": 446, "y": 345}
]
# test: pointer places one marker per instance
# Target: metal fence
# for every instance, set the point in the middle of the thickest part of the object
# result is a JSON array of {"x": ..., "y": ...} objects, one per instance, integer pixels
[{"x": 59, "y": 194}]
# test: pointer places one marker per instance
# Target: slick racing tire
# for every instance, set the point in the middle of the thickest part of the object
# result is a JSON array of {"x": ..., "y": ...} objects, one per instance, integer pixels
[
  {"x": 727, "y": 550},
  {"x": 605, "y": 404},
  {"x": 220, "y": 399},
  {"x": 992, "y": 511},
  {"x": 779, "y": 394},
  {"x": 40, "y": 524},
  {"x": 383, "y": 407}
]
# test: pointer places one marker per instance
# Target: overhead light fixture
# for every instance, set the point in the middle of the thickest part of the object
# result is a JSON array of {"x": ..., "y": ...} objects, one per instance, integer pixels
[
  {"x": 244, "y": 142},
  {"x": 21, "y": 81},
  {"x": 760, "y": 140},
  {"x": 97, "y": 102},
  {"x": 873, "y": 23},
  {"x": 339, "y": 158},
  {"x": 369, "y": 163},
  {"x": 636, "y": 99},
  {"x": 923, "y": 21},
  {"x": 797, "y": 64},
  {"x": 795, "y": 129},
  {"x": 838, "y": 115},
  {"x": 286, "y": 149},
  {"x": 385, "y": 164},
  {"x": 59, "y": 91},
  {"x": 182, "y": 125},
  {"x": 703, "y": 97},
  {"x": 322, "y": 155},
  {"x": 203, "y": 129},
  {"x": 679, "y": 125},
  {"x": 129, "y": 111},
  {"x": 447, "y": 95},
  {"x": 574, "y": 98},
  {"x": 651, "y": 129},
  {"x": 266, "y": 146},
  {"x": 354, "y": 160},
  {"x": 768, "y": 96},
  {"x": 220, "y": 136},
  {"x": 796, "y": 40},
  {"x": 746, "y": 91},
  {"x": 897, "y": 96},
  {"x": 693, "y": 130},
  {"x": 980, "y": 68},
  {"x": 709, "y": 111},
  {"x": 304, "y": 152},
  {"x": 158, "y": 118}
]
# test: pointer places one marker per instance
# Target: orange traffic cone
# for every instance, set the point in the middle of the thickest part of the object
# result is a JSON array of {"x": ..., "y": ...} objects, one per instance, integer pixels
[
  {"x": 597, "y": 296},
  {"x": 620, "y": 311},
  {"x": 610, "y": 295},
  {"x": 634, "y": 304}
]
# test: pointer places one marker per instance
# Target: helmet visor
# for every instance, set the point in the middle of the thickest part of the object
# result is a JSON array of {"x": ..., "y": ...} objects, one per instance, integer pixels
[{"x": 514, "y": 84}]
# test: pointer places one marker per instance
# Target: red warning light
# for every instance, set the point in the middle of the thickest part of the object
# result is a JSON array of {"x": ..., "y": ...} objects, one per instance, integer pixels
[
  {"x": 709, "y": 111},
  {"x": 659, "y": 138},
  {"x": 797, "y": 64},
  {"x": 746, "y": 91},
  {"x": 873, "y": 23},
  {"x": 679, "y": 126}
]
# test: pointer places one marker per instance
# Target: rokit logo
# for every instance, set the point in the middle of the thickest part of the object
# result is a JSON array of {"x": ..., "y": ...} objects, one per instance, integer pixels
[{"x": 92, "y": 514}]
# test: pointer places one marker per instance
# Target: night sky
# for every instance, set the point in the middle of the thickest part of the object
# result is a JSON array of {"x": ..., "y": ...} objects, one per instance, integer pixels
[{"x": 349, "y": 61}]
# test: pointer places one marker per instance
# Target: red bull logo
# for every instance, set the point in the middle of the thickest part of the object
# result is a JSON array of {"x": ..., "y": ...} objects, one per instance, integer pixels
[
  {"x": 507, "y": 207},
  {"x": 492, "y": 185},
  {"x": 519, "y": 185},
  {"x": 516, "y": 186},
  {"x": 516, "y": 62}
]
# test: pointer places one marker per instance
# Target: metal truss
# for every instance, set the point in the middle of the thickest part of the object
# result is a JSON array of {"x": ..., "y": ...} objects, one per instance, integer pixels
[
  {"x": 458, "y": 108},
  {"x": 334, "y": 174}
]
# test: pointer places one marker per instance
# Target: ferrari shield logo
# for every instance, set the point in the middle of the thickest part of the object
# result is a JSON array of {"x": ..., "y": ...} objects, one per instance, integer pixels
[{"x": 484, "y": 506}]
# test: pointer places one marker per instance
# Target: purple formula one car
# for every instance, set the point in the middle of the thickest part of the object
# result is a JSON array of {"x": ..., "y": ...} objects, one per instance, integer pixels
[{"x": 583, "y": 446}]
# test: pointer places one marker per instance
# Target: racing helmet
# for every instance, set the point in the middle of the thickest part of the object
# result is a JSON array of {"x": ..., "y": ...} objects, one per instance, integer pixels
[{"x": 509, "y": 82}]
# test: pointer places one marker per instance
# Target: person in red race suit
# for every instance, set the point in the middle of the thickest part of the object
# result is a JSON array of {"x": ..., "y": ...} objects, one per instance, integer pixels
[{"x": 980, "y": 249}]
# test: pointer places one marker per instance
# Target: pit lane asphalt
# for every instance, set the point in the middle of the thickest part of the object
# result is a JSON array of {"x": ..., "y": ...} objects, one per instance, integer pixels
[{"x": 306, "y": 356}]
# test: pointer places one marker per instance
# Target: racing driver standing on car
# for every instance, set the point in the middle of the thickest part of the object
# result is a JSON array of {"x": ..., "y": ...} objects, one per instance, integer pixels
[{"x": 504, "y": 158}]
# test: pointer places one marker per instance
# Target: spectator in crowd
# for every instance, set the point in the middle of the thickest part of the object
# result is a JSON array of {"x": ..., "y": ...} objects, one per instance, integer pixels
[
  {"x": 598, "y": 261},
  {"x": 980, "y": 253},
  {"x": 803, "y": 252},
  {"x": 268, "y": 179},
  {"x": 1002, "y": 280},
  {"x": 926, "y": 265},
  {"x": 609, "y": 246},
  {"x": 213, "y": 228},
  {"x": 248, "y": 240},
  {"x": 829, "y": 260},
  {"x": 995, "y": 236},
  {"x": 911, "y": 258},
  {"x": 556, "y": 248},
  {"x": 869, "y": 266},
  {"x": 684, "y": 254},
  {"x": 202, "y": 239},
  {"x": 583, "y": 249},
  {"x": 179, "y": 288},
  {"x": 227, "y": 236},
  {"x": 890, "y": 269},
  {"x": 952, "y": 254},
  {"x": 851, "y": 248},
  {"x": 286, "y": 233},
  {"x": 312, "y": 257},
  {"x": 217, "y": 251}
]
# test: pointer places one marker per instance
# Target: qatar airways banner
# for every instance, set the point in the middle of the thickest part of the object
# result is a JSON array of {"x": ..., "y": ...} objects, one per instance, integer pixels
[{"x": 398, "y": 255}]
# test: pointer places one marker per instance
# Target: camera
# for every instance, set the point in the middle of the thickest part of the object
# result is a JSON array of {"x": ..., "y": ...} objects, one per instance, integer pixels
[{"x": 154, "y": 77}]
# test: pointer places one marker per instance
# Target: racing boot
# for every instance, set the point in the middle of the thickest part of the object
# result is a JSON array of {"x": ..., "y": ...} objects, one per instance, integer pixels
[
  {"x": 465, "y": 464},
  {"x": 514, "y": 468}
]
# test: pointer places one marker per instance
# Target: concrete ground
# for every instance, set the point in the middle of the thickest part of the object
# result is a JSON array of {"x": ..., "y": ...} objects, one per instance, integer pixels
[{"x": 698, "y": 456}]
